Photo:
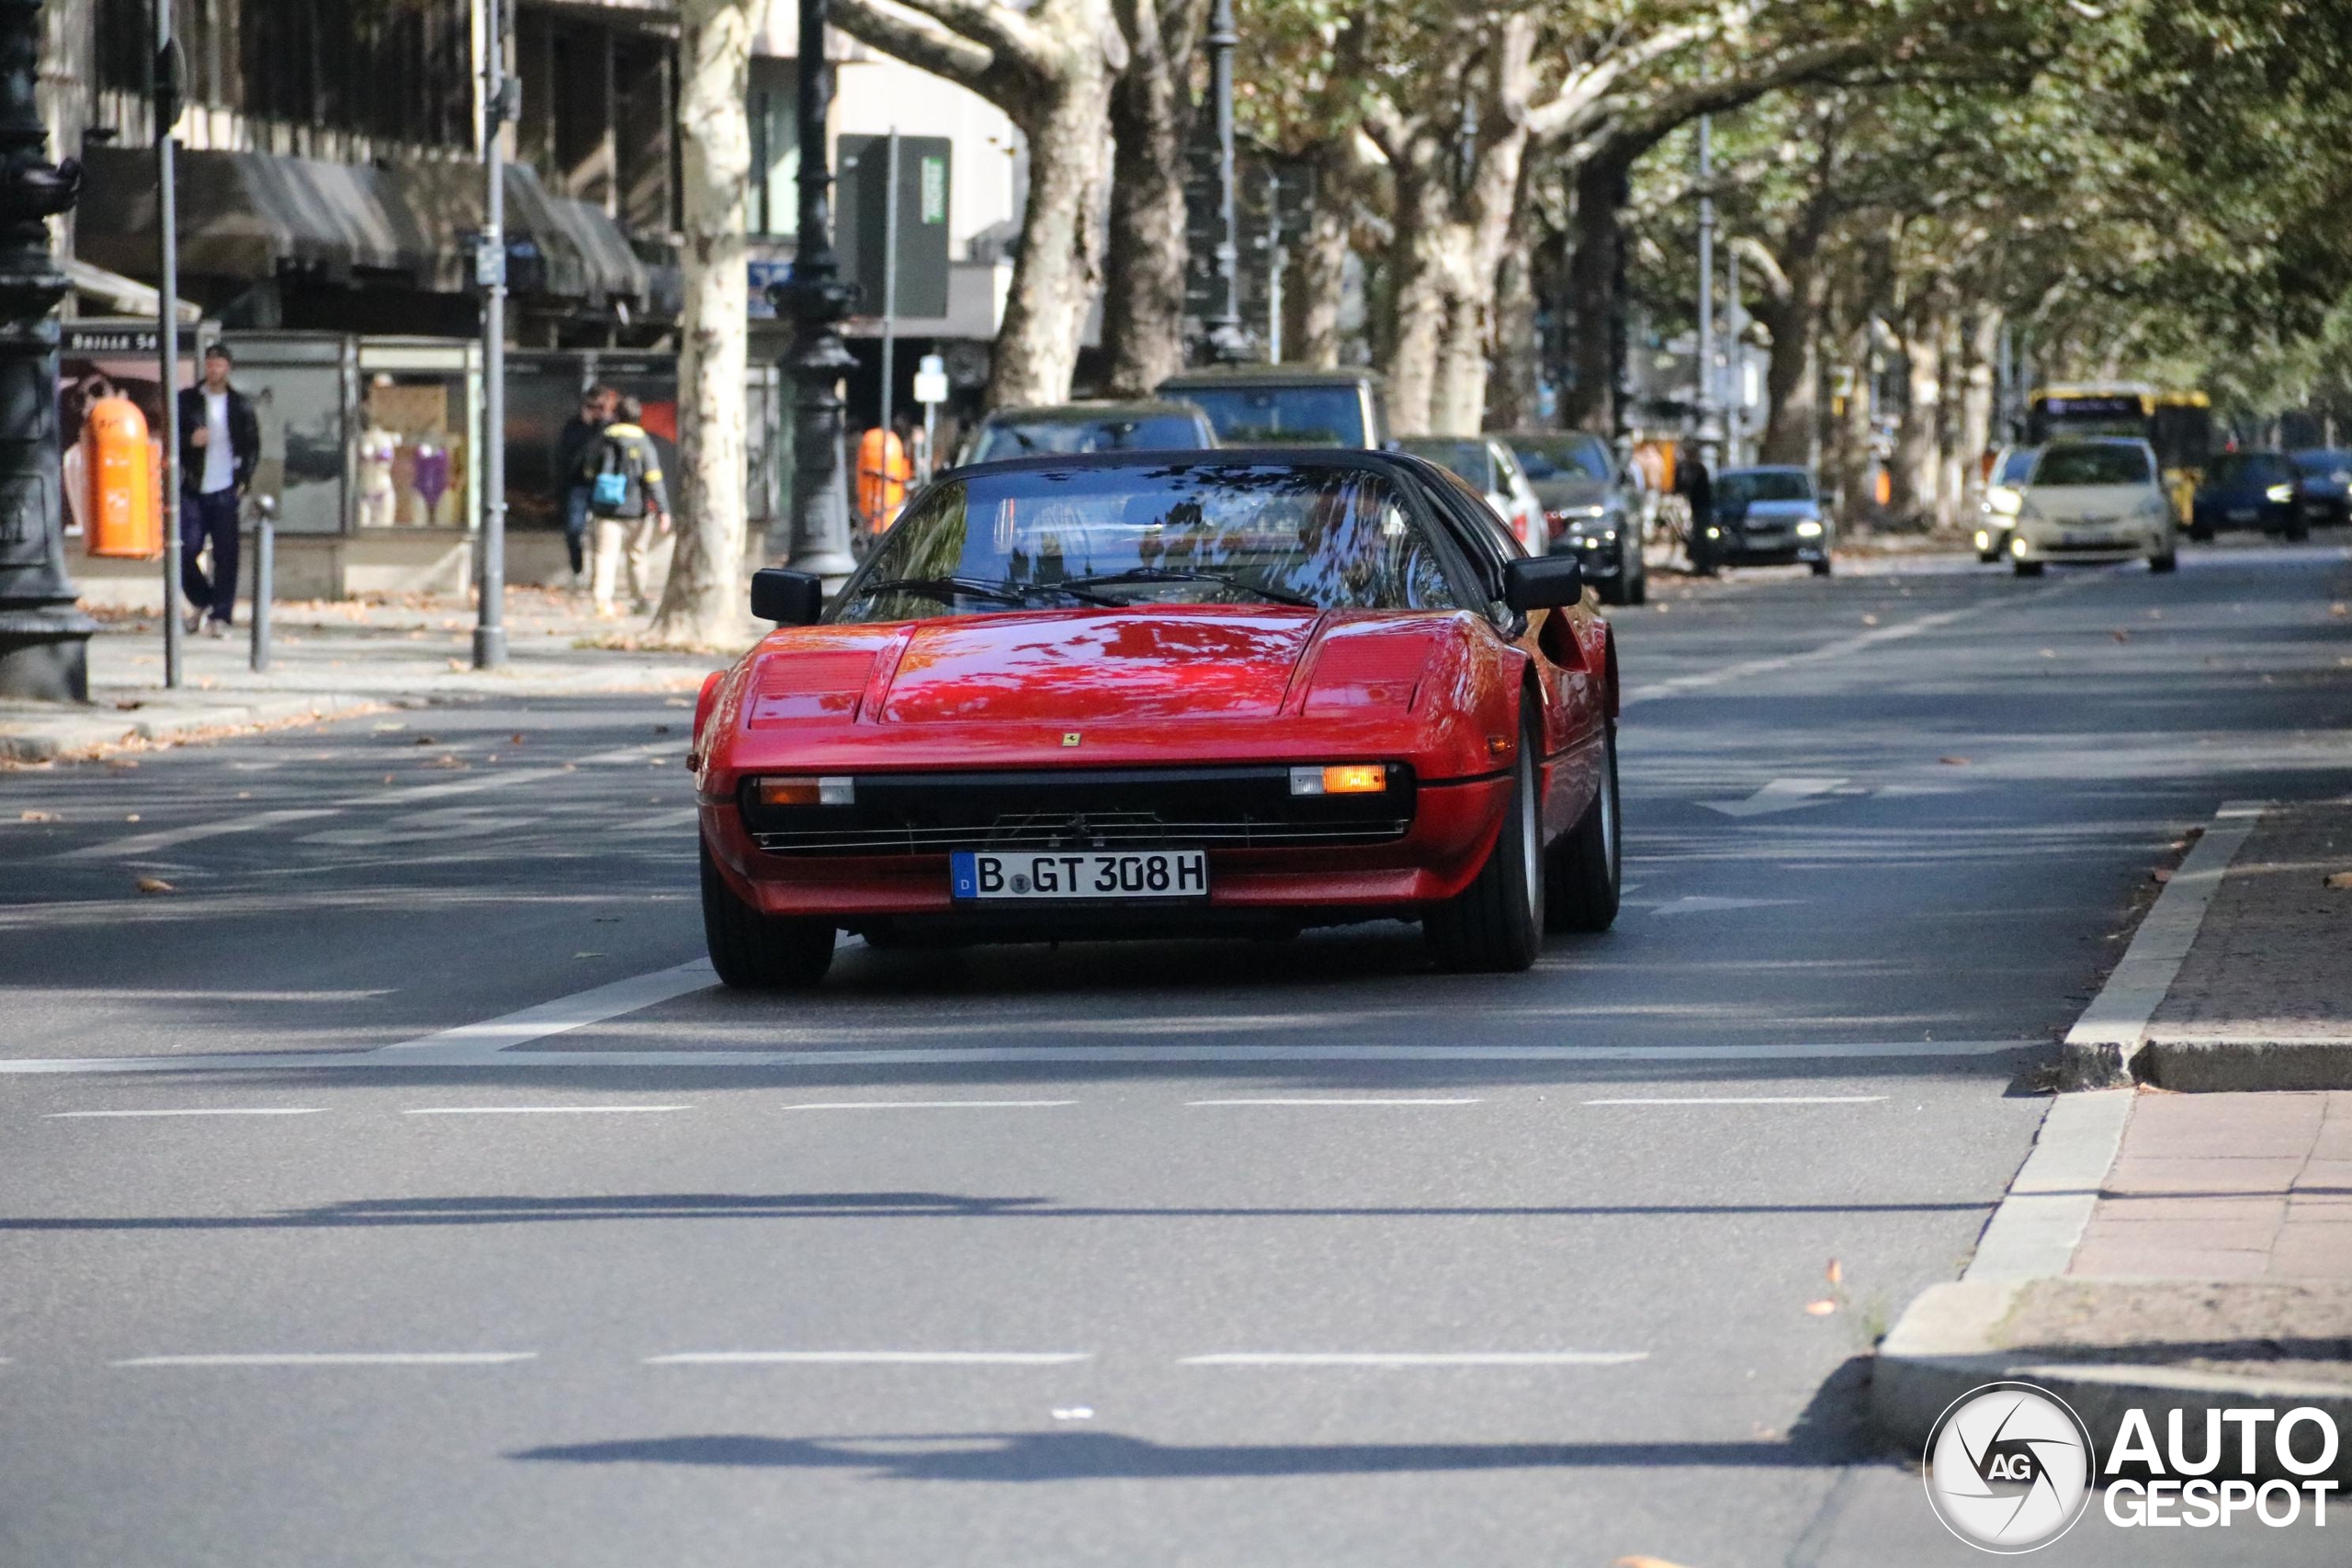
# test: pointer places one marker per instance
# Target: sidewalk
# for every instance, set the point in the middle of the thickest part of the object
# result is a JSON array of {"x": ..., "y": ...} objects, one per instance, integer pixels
[
  {"x": 2162, "y": 1250},
  {"x": 336, "y": 656}
]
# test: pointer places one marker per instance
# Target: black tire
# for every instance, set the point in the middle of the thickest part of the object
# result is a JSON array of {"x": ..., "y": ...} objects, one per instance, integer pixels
[
  {"x": 1634, "y": 573},
  {"x": 2027, "y": 568},
  {"x": 2168, "y": 561},
  {"x": 2201, "y": 535},
  {"x": 1494, "y": 926},
  {"x": 1822, "y": 567},
  {"x": 2298, "y": 531},
  {"x": 1639, "y": 592},
  {"x": 1584, "y": 871},
  {"x": 1611, "y": 590},
  {"x": 755, "y": 951}
]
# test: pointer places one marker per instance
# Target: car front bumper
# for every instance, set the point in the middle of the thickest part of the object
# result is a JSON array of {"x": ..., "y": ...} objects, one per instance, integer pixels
[{"x": 2034, "y": 540}]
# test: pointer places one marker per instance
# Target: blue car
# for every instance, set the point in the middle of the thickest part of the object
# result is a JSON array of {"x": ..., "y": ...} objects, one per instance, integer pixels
[
  {"x": 2249, "y": 490},
  {"x": 2326, "y": 478}
]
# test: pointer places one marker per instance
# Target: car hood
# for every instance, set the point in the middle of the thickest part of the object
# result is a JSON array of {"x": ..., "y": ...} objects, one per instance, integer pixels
[
  {"x": 1077, "y": 666},
  {"x": 1557, "y": 495},
  {"x": 2086, "y": 502}
]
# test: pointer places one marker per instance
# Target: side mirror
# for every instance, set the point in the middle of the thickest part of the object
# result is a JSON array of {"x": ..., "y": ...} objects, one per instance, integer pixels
[
  {"x": 1542, "y": 582},
  {"x": 788, "y": 598}
]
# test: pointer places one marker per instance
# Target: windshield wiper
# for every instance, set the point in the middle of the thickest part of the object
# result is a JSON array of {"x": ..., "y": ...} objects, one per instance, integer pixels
[
  {"x": 1160, "y": 574},
  {"x": 949, "y": 589}
]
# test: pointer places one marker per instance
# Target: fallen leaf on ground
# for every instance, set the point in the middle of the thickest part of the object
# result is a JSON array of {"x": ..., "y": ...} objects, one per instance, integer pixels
[
  {"x": 133, "y": 818},
  {"x": 2049, "y": 652},
  {"x": 2340, "y": 608},
  {"x": 1870, "y": 620},
  {"x": 2161, "y": 874},
  {"x": 244, "y": 795},
  {"x": 514, "y": 739},
  {"x": 1953, "y": 761},
  {"x": 445, "y": 761},
  {"x": 120, "y": 762},
  {"x": 388, "y": 778},
  {"x": 1834, "y": 1273},
  {"x": 2341, "y": 880},
  {"x": 155, "y": 884},
  {"x": 425, "y": 740},
  {"x": 1820, "y": 1308},
  {"x": 2119, "y": 635},
  {"x": 36, "y": 817}
]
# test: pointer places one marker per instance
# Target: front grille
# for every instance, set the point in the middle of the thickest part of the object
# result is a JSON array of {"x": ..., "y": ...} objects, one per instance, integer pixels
[{"x": 932, "y": 814}]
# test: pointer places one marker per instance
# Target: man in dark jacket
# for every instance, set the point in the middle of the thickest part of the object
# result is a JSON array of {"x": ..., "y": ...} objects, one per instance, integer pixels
[
  {"x": 1698, "y": 489},
  {"x": 631, "y": 505},
  {"x": 573, "y": 447},
  {"x": 220, "y": 443}
]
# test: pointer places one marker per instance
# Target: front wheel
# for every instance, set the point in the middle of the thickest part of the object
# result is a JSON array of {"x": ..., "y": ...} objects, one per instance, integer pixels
[
  {"x": 1495, "y": 924},
  {"x": 2028, "y": 568},
  {"x": 1584, "y": 871},
  {"x": 756, "y": 952},
  {"x": 1822, "y": 567},
  {"x": 2167, "y": 559}
]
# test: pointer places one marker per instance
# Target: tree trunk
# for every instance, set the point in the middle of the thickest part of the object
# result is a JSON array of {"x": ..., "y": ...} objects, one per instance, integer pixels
[
  {"x": 1984, "y": 347},
  {"x": 1514, "y": 386},
  {"x": 1311, "y": 330},
  {"x": 69, "y": 30},
  {"x": 1792, "y": 377},
  {"x": 1151, "y": 119},
  {"x": 1593, "y": 266},
  {"x": 1418, "y": 261},
  {"x": 1915, "y": 454},
  {"x": 702, "y": 602},
  {"x": 1061, "y": 266}
]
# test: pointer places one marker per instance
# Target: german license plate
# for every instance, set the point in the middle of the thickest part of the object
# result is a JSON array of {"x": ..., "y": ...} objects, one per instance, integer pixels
[
  {"x": 989, "y": 876},
  {"x": 2243, "y": 514}
]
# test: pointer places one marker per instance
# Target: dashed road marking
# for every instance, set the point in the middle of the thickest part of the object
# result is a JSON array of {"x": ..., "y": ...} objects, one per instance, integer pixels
[
  {"x": 871, "y": 1357},
  {"x": 1418, "y": 1359},
  {"x": 339, "y": 1359}
]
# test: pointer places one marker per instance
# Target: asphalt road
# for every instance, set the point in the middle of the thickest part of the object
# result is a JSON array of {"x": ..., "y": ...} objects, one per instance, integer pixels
[{"x": 1214, "y": 1254}]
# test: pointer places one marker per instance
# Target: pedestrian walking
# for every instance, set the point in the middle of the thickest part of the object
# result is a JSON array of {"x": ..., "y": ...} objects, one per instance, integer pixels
[
  {"x": 573, "y": 447},
  {"x": 220, "y": 443},
  {"x": 1697, "y": 488},
  {"x": 631, "y": 504},
  {"x": 883, "y": 473}
]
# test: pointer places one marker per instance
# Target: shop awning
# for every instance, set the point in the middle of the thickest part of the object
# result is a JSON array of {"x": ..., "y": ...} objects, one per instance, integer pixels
[{"x": 252, "y": 215}]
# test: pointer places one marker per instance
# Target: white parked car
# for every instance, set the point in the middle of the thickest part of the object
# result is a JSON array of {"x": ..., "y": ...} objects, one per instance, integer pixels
[
  {"x": 1489, "y": 466},
  {"x": 2091, "y": 501}
]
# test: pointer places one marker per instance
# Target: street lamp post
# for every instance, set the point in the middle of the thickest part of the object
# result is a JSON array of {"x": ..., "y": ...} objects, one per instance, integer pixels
[
  {"x": 1710, "y": 431},
  {"x": 167, "y": 324},
  {"x": 818, "y": 301},
  {"x": 501, "y": 95},
  {"x": 1229, "y": 340},
  {"x": 44, "y": 641}
]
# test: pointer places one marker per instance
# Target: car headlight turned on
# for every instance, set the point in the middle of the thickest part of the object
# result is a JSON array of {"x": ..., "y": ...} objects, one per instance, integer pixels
[
  {"x": 1808, "y": 530},
  {"x": 1340, "y": 778},
  {"x": 2017, "y": 545},
  {"x": 2280, "y": 492},
  {"x": 1565, "y": 519},
  {"x": 806, "y": 792},
  {"x": 2003, "y": 500}
]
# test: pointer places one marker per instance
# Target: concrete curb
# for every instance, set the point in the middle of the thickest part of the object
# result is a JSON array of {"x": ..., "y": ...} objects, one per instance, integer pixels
[
  {"x": 1947, "y": 1344},
  {"x": 76, "y": 733},
  {"x": 2105, "y": 1047}
]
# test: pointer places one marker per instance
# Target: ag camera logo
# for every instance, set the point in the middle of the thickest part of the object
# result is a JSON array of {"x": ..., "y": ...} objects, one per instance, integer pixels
[{"x": 2009, "y": 1467}]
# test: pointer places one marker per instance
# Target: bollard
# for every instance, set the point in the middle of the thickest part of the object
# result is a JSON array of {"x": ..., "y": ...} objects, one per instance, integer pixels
[{"x": 264, "y": 559}]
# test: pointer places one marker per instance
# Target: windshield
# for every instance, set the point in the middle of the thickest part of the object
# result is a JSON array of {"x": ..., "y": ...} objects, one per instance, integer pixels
[
  {"x": 1563, "y": 457},
  {"x": 2017, "y": 466},
  {"x": 1469, "y": 459},
  {"x": 2249, "y": 467},
  {"x": 2092, "y": 465},
  {"x": 1763, "y": 484},
  {"x": 2323, "y": 465},
  {"x": 1282, "y": 416},
  {"x": 1332, "y": 538},
  {"x": 1022, "y": 438}
]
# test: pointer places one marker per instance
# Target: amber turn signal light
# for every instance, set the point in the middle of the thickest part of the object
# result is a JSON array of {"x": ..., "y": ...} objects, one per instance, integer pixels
[
  {"x": 806, "y": 792},
  {"x": 1344, "y": 778}
]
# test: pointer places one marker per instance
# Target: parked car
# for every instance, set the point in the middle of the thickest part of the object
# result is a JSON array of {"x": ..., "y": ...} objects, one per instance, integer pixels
[
  {"x": 1486, "y": 464},
  {"x": 2249, "y": 490},
  {"x": 2004, "y": 493},
  {"x": 1110, "y": 695},
  {"x": 1088, "y": 427},
  {"x": 1593, "y": 508},
  {"x": 1765, "y": 516},
  {"x": 2093, "y": 500},
  {"x": 1287, "y": 405},
  {"x": 2324, "y": 486}
]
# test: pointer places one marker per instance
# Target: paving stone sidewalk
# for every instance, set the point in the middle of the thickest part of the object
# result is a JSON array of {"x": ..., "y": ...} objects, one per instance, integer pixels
[{"x": 338, "y": 657}]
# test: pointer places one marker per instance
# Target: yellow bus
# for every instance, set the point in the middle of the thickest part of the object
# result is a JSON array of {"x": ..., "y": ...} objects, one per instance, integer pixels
[{"x": 2178, "y": 425}]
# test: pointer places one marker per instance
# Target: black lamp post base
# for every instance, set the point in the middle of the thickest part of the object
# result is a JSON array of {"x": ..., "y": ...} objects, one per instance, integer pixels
[{"x": 44, "y": 654}]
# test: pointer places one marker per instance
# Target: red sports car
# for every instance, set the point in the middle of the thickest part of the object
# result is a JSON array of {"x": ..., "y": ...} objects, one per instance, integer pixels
[{"x": 1079, "y": 697}]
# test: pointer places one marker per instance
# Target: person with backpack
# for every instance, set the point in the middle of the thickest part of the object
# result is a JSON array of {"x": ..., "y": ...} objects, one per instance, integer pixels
[
  {"x": 579, "y": 432},
  {"x": 629, "y": 503}
]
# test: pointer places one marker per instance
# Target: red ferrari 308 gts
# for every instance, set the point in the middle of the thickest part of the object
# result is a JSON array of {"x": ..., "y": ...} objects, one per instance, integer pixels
[{"x": 1136, "y": 693}]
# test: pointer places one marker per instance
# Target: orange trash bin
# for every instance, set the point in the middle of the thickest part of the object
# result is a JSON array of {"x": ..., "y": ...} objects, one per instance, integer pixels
[{"x": 125, "y": 511}]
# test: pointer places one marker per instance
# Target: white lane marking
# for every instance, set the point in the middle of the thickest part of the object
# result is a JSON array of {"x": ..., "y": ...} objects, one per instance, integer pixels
[
  {"x": 1748, "y": 669},
  {"x": 206, "y": 1110},
  {"x": 931, "y": 1104},
  {"x": 172, "y": 837},
  {"x": 1418, "y": 1359},
  {"x": 565, "y": 1013},
  {"x": 341, "y": 1359},
  {"x": 1780, "y": 795},
  {"x": 1335, "y": 1100},
  {"x": 871, "y": 1357},
  {"x": 1707, "y": 903},
  {"x": 539, "y": 1110},
  {"x": 1745, "y": 1100},
  {"x": 1018, "y": 1056}
]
